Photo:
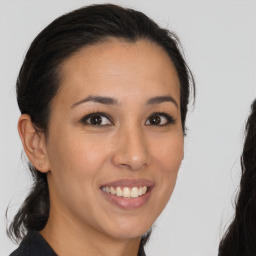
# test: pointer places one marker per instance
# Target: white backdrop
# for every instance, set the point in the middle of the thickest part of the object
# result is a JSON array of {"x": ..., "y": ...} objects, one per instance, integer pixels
[{"x": 219, "y": 38}]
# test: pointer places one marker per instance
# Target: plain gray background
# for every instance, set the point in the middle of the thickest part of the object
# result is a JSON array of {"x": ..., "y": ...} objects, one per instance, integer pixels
[{"x": 219, "y": 39}]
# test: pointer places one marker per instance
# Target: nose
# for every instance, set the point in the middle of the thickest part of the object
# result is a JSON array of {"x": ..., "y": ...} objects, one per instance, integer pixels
[{"x": 131, "y": 150}]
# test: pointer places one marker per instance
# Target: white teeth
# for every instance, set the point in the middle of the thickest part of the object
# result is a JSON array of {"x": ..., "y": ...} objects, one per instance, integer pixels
[
  {"x": 119, "y": 191},
  {"x": 133, "y": 192},
  {"x": 126, "y": 192},
  {"x": 140, "y": 191},
  {"x": 112, "y": 191}
]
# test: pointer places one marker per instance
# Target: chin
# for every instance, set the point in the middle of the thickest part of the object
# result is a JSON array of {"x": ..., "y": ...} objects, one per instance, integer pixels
[{"x": 128, "y": 230}]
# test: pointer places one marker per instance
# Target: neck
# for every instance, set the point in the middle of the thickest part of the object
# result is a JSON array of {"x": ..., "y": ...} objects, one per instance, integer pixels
[{"x": 68, "y": 238}]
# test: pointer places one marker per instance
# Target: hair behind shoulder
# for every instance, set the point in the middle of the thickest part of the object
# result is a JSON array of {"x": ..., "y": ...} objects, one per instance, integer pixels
[{"x": 240, "y": 238}]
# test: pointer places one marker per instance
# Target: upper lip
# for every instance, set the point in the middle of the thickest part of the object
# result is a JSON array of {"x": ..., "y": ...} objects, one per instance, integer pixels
[{"x": 129, "y": 183}]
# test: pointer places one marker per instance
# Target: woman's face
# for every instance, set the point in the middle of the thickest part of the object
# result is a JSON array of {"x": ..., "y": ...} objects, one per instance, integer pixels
[{"x": 115, "y": 139}]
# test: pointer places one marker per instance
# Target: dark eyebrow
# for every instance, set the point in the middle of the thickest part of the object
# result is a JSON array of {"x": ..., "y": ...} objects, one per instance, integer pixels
[
  {"x": 98, "y": 99},
  {"x": 161, "y": 99}
]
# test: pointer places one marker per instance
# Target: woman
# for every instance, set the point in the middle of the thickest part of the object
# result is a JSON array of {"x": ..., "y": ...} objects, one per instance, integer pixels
[
  {"x": 103, "y": 94},
  {"x": 240, "y": 238}
]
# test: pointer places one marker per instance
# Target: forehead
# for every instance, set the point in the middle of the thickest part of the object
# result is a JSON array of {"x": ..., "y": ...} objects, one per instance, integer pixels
[{"x": 118, "y": 66}]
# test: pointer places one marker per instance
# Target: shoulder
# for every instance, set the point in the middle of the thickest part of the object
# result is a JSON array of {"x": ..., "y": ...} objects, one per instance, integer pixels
[{"x": 33, "y": 244}]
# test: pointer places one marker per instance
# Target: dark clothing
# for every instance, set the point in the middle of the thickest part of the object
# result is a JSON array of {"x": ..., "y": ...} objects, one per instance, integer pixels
[{"x": 34, "y": 244}]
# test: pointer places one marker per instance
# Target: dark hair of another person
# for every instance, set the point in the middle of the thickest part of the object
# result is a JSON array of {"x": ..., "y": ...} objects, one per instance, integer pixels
[
  {"x": 40, "y": 78},
  {"x": 240, "y": 238}
]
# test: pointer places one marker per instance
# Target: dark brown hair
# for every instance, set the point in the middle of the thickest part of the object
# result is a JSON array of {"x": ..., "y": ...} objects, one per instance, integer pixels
[{"x": 240, "y": 238}]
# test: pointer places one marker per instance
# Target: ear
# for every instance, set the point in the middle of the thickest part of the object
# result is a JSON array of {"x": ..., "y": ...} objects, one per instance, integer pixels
[{"x": 33, "y": 143}]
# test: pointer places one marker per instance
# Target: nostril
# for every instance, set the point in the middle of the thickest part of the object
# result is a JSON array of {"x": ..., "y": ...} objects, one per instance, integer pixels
[{"x": 134, "y": 165}]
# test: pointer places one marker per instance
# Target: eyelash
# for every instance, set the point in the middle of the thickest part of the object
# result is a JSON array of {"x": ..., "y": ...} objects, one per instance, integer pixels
[
  {"x": 86, "y": 118},
  {"x": 169, "y": 119}
]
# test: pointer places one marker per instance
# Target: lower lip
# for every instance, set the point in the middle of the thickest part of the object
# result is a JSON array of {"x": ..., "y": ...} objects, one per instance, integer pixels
[{"x": 128, "y": 203}]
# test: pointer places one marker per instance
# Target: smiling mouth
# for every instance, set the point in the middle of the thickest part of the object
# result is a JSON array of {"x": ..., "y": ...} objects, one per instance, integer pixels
[
  {"x": 128, "y": 194},
  {"x": 125, "y": 192}
]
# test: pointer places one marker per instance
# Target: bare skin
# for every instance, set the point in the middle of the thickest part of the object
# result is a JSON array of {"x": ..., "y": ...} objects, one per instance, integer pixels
[{"x": 135, "y": 135}]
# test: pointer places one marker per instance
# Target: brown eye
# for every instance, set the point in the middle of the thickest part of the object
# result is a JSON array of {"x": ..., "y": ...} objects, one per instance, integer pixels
[
  {"x": 154, "y": 120},
  {"x": 159, "y": 119},
  {"x": 96, "y": 119}
]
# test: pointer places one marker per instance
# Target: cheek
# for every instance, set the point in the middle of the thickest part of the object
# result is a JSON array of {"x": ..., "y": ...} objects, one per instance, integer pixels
[
  {"x": 75, "y": 161},
  {"x": 169, "y": 153},
  {"x": 75, "y": 151},
  {"x": 168, "y": 156}
]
